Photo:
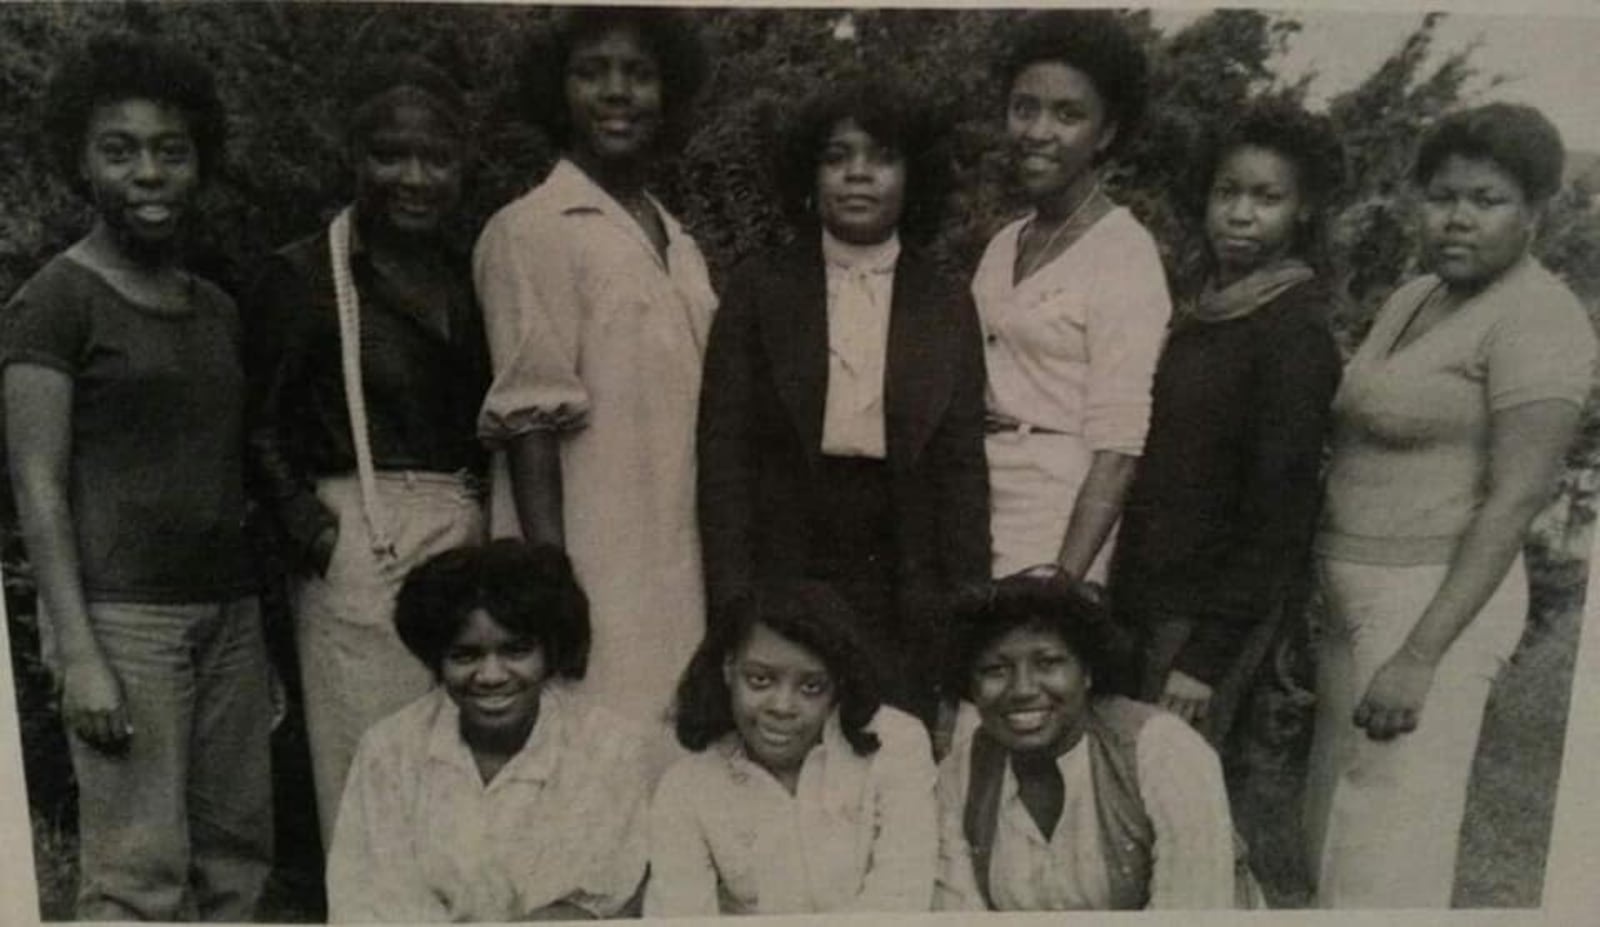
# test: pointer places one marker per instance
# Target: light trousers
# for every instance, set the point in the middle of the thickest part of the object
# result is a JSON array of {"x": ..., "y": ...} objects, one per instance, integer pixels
[
  {"x": 353, "y": 668},
  {"x": 1383, "y": 818}
]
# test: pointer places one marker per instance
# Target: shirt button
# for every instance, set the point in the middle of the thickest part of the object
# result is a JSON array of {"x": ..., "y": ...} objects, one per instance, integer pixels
[{"x": 992, "y": 339}]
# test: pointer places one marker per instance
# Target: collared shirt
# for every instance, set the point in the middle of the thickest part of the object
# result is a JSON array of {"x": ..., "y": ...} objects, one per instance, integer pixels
[
  {"x": 424, "y": 369},
  {"x": 598, "y": 338},
  {"x": 420, "y": 837},
  {"x": 858, "y": 834},
  {"x": 1073, "y": 347},
  {"x": 860, "y": 291},
  {"x": 1180, "y": 784}
]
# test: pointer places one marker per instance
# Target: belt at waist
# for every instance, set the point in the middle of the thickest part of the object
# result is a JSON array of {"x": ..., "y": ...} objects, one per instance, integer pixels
[{"x": 1001, "y": 424}]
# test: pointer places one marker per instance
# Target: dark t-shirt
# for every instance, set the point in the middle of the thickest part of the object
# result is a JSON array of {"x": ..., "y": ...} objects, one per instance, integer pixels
[{"x": 157, "y": 489}]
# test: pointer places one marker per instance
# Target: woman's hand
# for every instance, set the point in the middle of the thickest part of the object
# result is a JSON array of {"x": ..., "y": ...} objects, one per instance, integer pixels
[
  {"x": 92, "y": 704},
  {"x": 1394, "y": 699},
  {"x": 1187, "y": 697}
]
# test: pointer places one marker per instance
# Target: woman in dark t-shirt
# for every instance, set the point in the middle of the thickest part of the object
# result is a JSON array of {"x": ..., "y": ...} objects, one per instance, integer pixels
[{"x": 124, "y": 422}]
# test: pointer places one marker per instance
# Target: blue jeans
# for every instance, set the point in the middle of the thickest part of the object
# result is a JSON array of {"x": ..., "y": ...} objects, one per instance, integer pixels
[{"x": 180, "y": 825}]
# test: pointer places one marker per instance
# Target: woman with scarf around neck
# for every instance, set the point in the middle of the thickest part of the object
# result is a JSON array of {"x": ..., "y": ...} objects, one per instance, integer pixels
[
  {"x": 368, "y": 349},
  {"x": 1073, "y": 300},
  {"x": 1450, "y": 430},
  {"x": 598, "y": 304},
  {"x": 841, "y": 423},
  {"x": 1218, "y": 523}
]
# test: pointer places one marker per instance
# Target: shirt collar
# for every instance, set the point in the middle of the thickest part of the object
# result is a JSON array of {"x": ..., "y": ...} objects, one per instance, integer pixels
[
  {"x": 573, "y": 191},
  {"x": 876, "y": 258},
  {"x": 535, "y": 762},
  {"x": 742, "y": 766}
]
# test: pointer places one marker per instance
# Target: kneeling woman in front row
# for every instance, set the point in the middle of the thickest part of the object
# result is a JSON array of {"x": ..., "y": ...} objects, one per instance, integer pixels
[
  {"x": 1069, "y": 797},
  {"x": 500, "y": 795},
  {"x": 803, "y": 794}
]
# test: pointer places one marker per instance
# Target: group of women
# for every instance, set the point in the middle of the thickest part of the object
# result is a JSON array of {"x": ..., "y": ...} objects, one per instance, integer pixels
[{"x": 760, "y": 526}]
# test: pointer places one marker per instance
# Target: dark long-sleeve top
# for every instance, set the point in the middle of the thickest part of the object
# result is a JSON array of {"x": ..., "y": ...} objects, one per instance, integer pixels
[
  {"x": 424, "y": 374},
  {"x": 761, "y": 419},
  {"x": 1223, "y": 505}
]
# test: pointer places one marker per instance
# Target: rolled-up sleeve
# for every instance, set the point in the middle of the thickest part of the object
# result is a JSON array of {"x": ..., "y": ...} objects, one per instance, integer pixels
[
  {"x": 533, "y": 316},
  {"x": 1180, "y": 780},
  {"x": 1126, "y": 325}
]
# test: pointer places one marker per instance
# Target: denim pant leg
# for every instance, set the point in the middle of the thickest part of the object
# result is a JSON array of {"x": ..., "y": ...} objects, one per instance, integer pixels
[
  {"x": 230, "y": 774},
  {"x": 132, "y": 821}
]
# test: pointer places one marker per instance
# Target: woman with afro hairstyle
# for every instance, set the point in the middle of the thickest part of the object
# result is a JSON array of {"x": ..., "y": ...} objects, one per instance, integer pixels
[
  {"x": 1218, "y": 523},
  {"x": 597, "y": 305},
  {"x": 124, "y": 400},
  {"x": 1073, "y": 299},
  {"x": 841, "y": 421}
]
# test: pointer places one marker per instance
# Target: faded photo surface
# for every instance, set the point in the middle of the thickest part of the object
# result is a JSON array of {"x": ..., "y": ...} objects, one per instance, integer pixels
[{"x": 818, "y": 353}]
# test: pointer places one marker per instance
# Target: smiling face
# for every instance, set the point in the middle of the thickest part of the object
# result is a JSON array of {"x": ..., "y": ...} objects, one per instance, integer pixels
[
  {"x": 494, "y": 677},
  {"x": 614, "y": 96},
  {"x": 1476, "y": 221},
  {"x": 861, "y": 185},
  {"x": 1253, "y": 209},
  {"x": 1031, "y": 691},
  {"x": 1057, "y": 123},
  {"x": 142, "y": 169},
  {"x": 782, "y": 696},
  {"x": 408, "y": 167}
]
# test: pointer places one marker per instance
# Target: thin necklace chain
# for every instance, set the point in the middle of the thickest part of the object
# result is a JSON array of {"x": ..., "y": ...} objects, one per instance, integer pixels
[{"x": 1040, "y": 253}]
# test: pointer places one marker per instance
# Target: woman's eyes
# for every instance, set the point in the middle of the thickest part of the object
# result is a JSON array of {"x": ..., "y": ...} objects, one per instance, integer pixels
[
  {"x": 816, "y": 687},
  {"x": 170, "y": 151},
  {"x": 758, "y": 680},
  {"x": 878, "y": 155}
]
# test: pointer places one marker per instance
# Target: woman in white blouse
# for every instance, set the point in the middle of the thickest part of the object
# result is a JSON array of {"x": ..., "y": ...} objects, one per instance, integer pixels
[
  {"x": 803, "y": 793},
  {"x": 1069, "y": 796},
  {"x": 597, "y": 305},
  {"x": 503, "y": 794},
  {"x": 1073, "y": 300}
]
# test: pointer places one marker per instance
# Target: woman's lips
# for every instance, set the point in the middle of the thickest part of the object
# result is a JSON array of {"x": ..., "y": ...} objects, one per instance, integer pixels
[
  {"x": 1027, "y": 720},
  {"x": 153, "y": 212}
]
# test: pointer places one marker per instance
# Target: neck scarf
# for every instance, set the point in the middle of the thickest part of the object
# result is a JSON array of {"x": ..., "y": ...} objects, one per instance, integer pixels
[{"x": 1250, "y": 292}]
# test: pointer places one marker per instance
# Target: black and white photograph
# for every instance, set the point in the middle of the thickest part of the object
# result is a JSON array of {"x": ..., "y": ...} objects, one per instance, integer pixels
[{"x": 498, "y": 462}]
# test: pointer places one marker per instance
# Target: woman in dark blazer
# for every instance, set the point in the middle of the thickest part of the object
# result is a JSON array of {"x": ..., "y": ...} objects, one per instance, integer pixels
[
  {"x": 1217, "y": 526},
  {"x": 841, "y": 416}
]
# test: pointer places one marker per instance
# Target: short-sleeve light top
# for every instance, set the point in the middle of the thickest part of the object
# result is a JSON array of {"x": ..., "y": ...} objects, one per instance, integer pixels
[
  {"x": 859, "y": 834},
  {"x": 1180, "y": 783},
  {"x": 1412, "y": 426},
  {"x": 420, "y": 838},
  {"x": 1073, "y": 347}
]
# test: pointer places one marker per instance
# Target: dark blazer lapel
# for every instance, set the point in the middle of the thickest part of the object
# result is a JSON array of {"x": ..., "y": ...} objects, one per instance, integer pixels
[
  {"x": 794, "y": 327},
  {"x": 917, "y": 376}
]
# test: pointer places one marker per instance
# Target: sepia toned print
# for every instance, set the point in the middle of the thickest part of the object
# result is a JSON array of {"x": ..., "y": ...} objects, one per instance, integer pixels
[{"x": 664, "y": 243}]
